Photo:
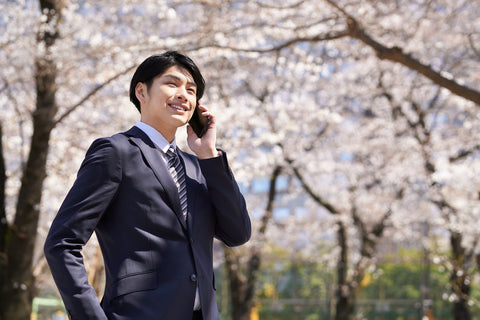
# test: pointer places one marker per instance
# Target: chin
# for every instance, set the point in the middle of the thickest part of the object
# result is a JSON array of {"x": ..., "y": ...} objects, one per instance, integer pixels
[{"x": 181, "y": 121}]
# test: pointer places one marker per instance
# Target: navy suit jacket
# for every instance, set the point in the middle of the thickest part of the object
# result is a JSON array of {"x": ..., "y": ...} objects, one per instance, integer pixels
[{"x": 154, "y": 260}]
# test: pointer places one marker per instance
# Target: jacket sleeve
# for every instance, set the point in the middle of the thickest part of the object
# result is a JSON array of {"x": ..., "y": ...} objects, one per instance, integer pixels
[
  {"x": 233, "y": 225},
  {"x": 96, "y": 184}
]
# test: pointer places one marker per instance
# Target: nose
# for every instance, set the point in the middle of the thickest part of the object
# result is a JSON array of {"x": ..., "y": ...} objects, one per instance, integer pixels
[{"x": 181, "y": 93}]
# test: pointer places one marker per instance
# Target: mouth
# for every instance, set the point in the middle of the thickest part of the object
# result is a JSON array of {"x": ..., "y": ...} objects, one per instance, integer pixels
[{"x": 179, "y": 107}]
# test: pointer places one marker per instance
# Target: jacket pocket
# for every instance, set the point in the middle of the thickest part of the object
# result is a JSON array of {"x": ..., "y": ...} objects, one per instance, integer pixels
[{"x": 133, "y": 283}]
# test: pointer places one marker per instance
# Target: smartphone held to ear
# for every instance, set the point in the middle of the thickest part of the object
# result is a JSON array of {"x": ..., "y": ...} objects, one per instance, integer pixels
[{"x": 198, "y": 122}]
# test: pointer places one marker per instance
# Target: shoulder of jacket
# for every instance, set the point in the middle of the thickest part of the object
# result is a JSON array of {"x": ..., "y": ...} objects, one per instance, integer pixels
[{"x": 117, "y": 143}]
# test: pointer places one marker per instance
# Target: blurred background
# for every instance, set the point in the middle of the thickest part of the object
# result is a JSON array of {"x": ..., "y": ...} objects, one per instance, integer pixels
[{"x": 352, "y": 128}]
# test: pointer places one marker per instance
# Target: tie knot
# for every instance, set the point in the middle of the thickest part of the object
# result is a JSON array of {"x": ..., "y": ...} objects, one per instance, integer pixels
[{"x": 171, "y": 152}]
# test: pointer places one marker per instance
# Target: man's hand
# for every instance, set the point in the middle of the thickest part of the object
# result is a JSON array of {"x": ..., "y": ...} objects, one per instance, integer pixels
[{"x": 204, "y": 147}]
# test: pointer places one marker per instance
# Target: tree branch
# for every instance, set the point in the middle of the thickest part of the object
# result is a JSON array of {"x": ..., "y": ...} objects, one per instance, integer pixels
[
  {"x": 91, "y": 94},
  {"x": 272, "y": 192},
  {"x": 321, "y": 37},
  {"x": 464, "y": 153},
  {"x": 306, "y": 187},
  {"x": 280, "y": 6},
  {"x": 396, "y": 54}
]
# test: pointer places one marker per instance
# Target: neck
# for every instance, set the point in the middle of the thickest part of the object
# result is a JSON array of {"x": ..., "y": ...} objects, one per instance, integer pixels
[
  {"x": 169, "y": 136},
  {"x": 166, "y": 132}
]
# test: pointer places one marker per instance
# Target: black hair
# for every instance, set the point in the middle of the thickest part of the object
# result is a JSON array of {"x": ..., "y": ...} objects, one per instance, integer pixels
[{"x": 157, "y": 64}]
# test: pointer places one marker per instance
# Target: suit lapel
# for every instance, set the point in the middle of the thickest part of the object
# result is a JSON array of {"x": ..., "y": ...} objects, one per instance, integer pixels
[{"x": 154, "y": 159}]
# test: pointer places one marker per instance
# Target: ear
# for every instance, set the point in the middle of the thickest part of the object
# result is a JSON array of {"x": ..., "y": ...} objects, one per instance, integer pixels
[{"x": 140, "y": 92}]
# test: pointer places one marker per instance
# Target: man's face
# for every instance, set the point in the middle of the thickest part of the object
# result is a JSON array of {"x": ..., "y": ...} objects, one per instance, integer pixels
[{"x": 170, "y": 102}]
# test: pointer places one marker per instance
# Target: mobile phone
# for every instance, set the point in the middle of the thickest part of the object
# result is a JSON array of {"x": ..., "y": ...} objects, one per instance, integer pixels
[{"x": 198, "y": 122}]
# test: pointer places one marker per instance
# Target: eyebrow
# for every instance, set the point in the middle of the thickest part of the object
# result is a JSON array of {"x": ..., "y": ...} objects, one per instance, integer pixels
[{"x": 191, "y": 83}]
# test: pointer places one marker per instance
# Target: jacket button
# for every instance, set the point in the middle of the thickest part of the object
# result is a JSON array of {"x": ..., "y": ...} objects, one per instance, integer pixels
[{"x": 193, "y": 277}]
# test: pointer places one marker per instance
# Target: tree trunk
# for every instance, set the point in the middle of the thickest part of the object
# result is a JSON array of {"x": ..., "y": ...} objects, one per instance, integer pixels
[
  {"x": 345, "y": 305},
  {"x": 4, "y": 227},
  {"x": 20, "y": 285},
  {"x": 345, "y": 308},
  {"x": 18, "y": 288},
  {"x": 239, "y": 286},
  {"x": 3, "y": 215},
  {"x": 96, "y": 272},
  {"x": 242, "y": 285},
  {"x": 459, "y": 279}
]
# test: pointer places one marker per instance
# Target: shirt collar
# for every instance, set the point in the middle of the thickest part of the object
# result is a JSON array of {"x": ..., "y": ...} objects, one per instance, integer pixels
[{"x": 157, "y": 138}]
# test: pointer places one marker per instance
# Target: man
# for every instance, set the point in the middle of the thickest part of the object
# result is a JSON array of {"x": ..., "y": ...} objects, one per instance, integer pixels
[{"x": 155, "y": 213}]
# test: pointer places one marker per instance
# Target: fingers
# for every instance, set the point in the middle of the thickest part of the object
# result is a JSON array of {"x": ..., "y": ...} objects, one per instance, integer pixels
[{"x": 207, "y": 113}]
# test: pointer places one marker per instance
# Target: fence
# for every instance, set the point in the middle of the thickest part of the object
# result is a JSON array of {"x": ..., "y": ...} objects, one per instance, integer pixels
[
  {"x": 47, "y": 309},
  {"x": 323, "y": 309}
]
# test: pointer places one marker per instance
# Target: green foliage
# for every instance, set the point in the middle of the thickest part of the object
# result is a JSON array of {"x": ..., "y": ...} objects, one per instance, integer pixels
[
  {"x": 295, "y": 289},
  {"x": 395, "y": 281},
  {"x": 402, "y": 277}
]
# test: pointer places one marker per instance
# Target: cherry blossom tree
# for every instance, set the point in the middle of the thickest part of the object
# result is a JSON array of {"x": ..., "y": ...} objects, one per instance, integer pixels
[
  {"x": 57, "y": 57},
  {"x": 441, "y": 150},
  {"x": 331, "y": 91},
  {"x": 16, "y": 275},
  {"x": 374, "y": 24}
]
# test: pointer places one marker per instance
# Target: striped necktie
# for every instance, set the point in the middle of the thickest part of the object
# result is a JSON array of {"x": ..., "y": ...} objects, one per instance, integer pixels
[{"x": 178, "y": 174}]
